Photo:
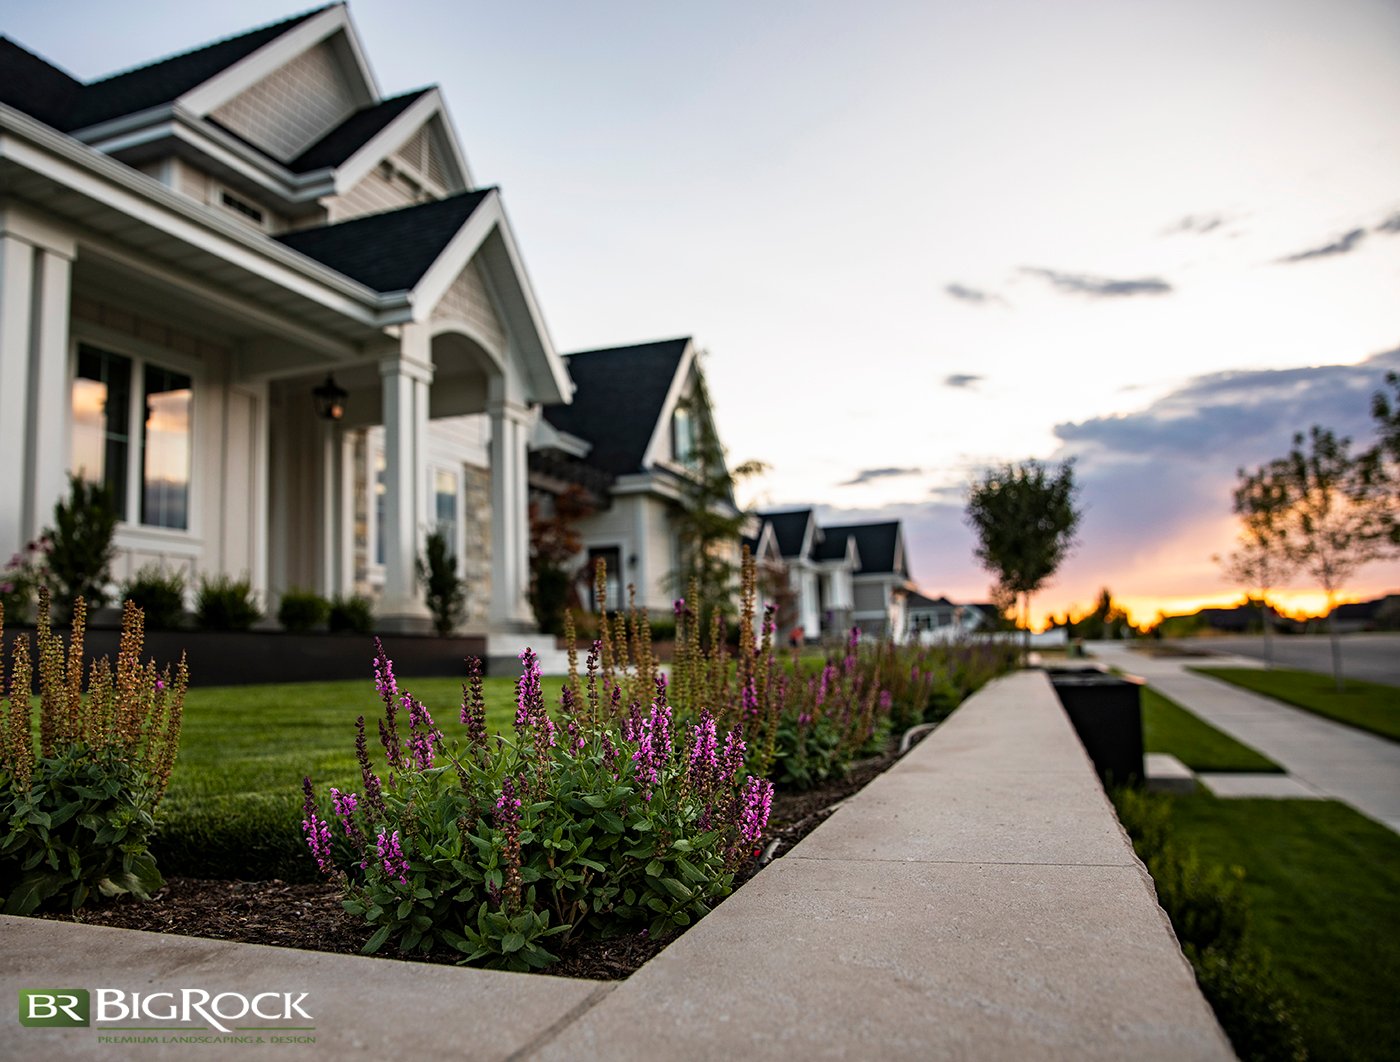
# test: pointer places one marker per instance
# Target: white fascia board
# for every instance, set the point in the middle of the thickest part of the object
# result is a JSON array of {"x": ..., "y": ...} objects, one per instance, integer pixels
[
  {"x": 388, "y": 140},
  {"x": 545, "y": 436},
  {"x": 458, "y": 159},
  {"x": 460, "y": 250},
  {"x": 60, "y": 158},
  {"x": 276, "y": 53},
  {"x": 767, "y": 543},
  {"x": 643, "y": 483},
  {"x": 656, "y": 452}
]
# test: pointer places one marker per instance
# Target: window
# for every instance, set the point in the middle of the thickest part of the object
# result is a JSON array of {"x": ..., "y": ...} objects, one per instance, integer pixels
[
  {"x": 612, "y": 557},
  {"x": 445, "y": 506},
  {"x": 103, "y": 451},
  {"x": 683, "y": 435},
  {"x": 241, "y": 206}
]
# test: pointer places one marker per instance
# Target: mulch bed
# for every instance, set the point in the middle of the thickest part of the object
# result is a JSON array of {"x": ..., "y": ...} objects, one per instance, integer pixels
[{"x": 310, "y": 916}]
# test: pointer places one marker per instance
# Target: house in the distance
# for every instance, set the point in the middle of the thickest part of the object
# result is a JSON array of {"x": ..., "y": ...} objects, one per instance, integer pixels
[
  {"x": 881, "y": 582},
  {"x": 632, "y": 433},
  {"x": 270, "y": 308},
  {"x": 817, "y": 572}
]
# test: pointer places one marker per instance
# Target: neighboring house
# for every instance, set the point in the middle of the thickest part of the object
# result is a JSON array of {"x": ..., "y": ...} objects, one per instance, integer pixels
[
  {"x": 631, "y": 434},
  {"x": 881, "y": 582},
  {"x": 936, "y": 619},
  {"x": 188, "y": 249},
  {"x": 1379, "y": 614},
  {"x": 819, "y": 570}
]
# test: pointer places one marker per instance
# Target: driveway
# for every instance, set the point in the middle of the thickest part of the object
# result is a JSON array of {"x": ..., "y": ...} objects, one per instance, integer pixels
[{"x": 1365, "y": 656}]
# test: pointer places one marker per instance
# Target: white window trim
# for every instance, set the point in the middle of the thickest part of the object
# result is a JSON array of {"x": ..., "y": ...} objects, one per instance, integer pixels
[
  {"x": 131, "y": 533},
  {"x": 459, "y": 507}
]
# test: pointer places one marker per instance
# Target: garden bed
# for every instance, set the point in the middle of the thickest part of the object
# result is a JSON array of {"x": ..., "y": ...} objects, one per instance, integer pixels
[{"x": 310, "y": 916}]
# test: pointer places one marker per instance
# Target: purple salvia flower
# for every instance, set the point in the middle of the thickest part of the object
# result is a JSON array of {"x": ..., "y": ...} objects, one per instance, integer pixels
[
  {"x": 474, "y": 706},
  {"x": 345, "y": 805},
  {"x": 824, "y": 686},
  {"x": 748, "y": 700},
  {"x": 678, "y": 607},
  {"x": 423, "y": 736},
  {"x": 733, "y": 759},
  {"x": 508, "y": 805},
  {"x": 373, "y": 792},
  {"x": 391, "y": 857},
  {"x": 317, "y": 830},
  {"x": 755, "y": 802},
  {"x": 610, "y": 755},
  {"x": 703, "y": 769},
  {"x": 528, "y": 691}
]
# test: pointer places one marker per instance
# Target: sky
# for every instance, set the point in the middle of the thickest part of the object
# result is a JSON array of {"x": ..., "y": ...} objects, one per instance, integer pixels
[{"x": 916, "y": 239}]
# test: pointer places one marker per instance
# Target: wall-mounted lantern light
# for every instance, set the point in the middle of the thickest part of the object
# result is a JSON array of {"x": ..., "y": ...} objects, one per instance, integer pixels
[{"x": 330, "y": 399}]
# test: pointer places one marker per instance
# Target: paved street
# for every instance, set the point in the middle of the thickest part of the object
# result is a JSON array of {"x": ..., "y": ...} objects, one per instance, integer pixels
[
  {"x": 1365, "y": 656},
  {"x": 1334, "y": 760}
]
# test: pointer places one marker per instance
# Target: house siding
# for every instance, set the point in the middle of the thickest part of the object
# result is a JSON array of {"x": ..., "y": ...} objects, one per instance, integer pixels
[
  {"x": 292, "y": 107},
  {"x": 468, "y": 300},
  {"x": 381, "y": 189}
]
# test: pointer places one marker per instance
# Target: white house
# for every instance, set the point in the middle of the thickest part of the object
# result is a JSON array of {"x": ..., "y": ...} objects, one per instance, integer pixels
[
  {"x": 189, "y": 249},
  {"x": 819, "y": 570},
  {"x": 631, "y": 436},
  {"x": 881, "y": 582}
]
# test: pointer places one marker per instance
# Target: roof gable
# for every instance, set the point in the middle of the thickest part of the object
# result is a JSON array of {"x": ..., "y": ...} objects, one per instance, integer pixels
[
  {"x": 792, "y": 530},
  {"x": 619, "y": 397},
  {"x": 880, "y": 546},
  {"x": 338, "y": 145}
]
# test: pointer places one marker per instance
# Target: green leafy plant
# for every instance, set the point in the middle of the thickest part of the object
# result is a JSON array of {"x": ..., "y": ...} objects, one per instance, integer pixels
[
  {"x": 226, "y": 604},
  {"x": 159, "y": 595},
  {"x": 80, "y": 545},
  {"x": 352, "y": 614},
  {"x": 301, "y": 610},
  {"x": 445, "y": 593},
  {"x": 496, "y": 848},
  {"x": 77, "y": 813}
]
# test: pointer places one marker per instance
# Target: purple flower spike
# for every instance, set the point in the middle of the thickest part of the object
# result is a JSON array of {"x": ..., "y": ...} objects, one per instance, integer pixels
[
  {"x": 755, "y": 802},
  {"x": 391, "y": 857}
]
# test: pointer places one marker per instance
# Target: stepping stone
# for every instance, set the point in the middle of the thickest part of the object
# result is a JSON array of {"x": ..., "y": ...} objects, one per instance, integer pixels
[
  {"x": 1277, "y": 786},
  {"x": 1167, "y": 774}
]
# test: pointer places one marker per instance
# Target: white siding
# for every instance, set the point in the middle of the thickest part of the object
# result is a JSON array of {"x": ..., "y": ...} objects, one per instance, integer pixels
[
  {"x": 467, "y": 300},
  {"x": 380, "y": 190},
  {"x": 292, "y": 107}
]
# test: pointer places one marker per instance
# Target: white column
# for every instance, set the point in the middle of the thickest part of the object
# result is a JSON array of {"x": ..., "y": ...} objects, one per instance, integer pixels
[
  {"x": 405, "y": 380},
  {"x": 35, "y": 285},
  {"x": 331, "y": 529},
  {"x": 510, "y": 527}
]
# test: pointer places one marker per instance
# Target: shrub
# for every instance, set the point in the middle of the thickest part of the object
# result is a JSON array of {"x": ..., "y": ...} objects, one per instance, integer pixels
[
  {"x": 78, "y": 813},
  {"x": 350, "y": 614},
  {"x": 80, "y": 545},
  {"x": 226, "y": 604},
  {"x": 494, "y": 848},
  {"x": 549, "y": 598},
  {"x": 159, "y": 596},
  {"x": 301, "y": 610},
  {"x": 21, "y": 578},
  {"x": 444, "y": 593},
  {"x": 1252, "y": 1009}
]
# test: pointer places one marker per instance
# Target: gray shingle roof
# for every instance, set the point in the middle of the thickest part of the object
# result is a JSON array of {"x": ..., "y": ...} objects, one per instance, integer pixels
[
  {"x": 875, "y": 542},
  {"x": 789, "y": 528},
  {"x": 353, "y": 133},
  {"x": 389, "y": 251},
  {"x": 618, "y": 397}
]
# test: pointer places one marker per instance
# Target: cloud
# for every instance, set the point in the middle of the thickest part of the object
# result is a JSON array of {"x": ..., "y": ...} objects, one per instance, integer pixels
[
  {"x": 1390, "y": 224},
  {"x": 869, "y": 475},
  {"x": 962, "y": 379},
  {"x": 1199, "y": 224},
  {"x": 973, "y": 295},
  {"x": 1342, "y": 245},
  {"x": 1099, "y": 287}
]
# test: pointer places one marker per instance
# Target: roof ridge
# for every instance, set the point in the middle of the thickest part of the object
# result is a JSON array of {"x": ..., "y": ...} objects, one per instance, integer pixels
[
  {"x": 631, "y": 346},
  {"x": 395, "y": 210},
  {"x": 286, "y": 24},
  {"x": 41, "y": 58}
]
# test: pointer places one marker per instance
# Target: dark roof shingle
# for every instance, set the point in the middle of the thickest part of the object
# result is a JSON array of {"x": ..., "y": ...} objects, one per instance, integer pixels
[
  {"x": 790, "y": 529},
  {"x": 389, "y": 251},
  {"x": 875, "y": 542},
  {"x": 35, "y": 86},
  {"x": 618, "y": 396},
  {"x": 353, "y": 133}
]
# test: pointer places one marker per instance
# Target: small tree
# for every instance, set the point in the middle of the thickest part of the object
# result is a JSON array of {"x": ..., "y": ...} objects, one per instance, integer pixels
[
  {"x": 1261, "y": 560},
  {"x": 708, "y": 523},
  {"x": 445, "y": 594},
  {"x": 80, "y": 545},
  {"x": 554, "y": 543},
  {"x": 1025, "y": 519},
  {"x": 1381, "y": 464},
  {"x": 1334, "y": 523}
]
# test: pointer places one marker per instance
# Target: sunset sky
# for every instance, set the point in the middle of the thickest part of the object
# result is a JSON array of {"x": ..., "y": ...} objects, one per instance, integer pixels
[{"x": 916, "y": 238}]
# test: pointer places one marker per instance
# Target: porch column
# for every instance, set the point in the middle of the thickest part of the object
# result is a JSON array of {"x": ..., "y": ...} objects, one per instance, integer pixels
[
  {"x": 332, "y": 528},
  {"x": 35, "y": 281},
  {"x": 510, "y": 521},
  {"x": 405, "y": 381}
]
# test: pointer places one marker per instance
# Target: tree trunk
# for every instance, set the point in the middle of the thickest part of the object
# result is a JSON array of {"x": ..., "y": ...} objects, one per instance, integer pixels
[
  {"x": 1026, "y": 626},
  {"x": 1268, "y": 632},
  {"x": 1336, "y": 645}
]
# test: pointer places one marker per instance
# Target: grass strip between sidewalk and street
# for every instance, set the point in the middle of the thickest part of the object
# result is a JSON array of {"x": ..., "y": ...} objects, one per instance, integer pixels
[
  {"x": 1168, "y": 727},
  {"x": 1321, "y": 880},
  {"x": 1368, "y": 706}
]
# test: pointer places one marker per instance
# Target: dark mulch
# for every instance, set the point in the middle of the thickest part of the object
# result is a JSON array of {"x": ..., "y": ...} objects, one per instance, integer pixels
[{"x": 310, "y": 916}]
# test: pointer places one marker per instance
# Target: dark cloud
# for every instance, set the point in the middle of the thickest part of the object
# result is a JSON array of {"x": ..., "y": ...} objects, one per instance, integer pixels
[
  {"x": 869, "y": 475},
  {"x": 1342, "y": 245},
  {"x": 962, "y": 379},
  {"x": 1199, "y": 224},
  {"x": 1390, "y": 224},
  {"x": 1099, "y": 287},
  {"x": 963, "y": 293}
]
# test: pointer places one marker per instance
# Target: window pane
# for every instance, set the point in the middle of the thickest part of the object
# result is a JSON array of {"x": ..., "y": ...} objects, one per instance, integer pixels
[
  {"x": 101, "y": 421},
  {"x": 379, "y": 507},
  {"x": 165, "y": 472},
  {"x": 445, "y": 506}
]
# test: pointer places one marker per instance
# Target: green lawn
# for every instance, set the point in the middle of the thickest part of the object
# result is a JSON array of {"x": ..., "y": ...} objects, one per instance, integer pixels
[
  {"x": 1322, "y": 881},
  {"x": 234, "y": 800},
  {"x": 1168, "y": 727},
  {"x": 1367, "y": 705}
]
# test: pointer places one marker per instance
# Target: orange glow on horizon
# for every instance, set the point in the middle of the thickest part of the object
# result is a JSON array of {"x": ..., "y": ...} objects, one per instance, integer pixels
[{"x": 1143, "y": 610}]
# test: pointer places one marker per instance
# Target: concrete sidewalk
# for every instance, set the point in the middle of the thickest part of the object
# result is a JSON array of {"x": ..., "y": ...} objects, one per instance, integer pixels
[{"x": 1330, "y": 758}]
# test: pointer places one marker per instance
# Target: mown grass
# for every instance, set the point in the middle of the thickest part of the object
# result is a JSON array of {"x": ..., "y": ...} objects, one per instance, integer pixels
[
  {"x": 233, "y": 808},
  {"x": 1321, "y": 881},
  {"x": 1168, "y": 727},
  {"x": 1368, "y": 706}
]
